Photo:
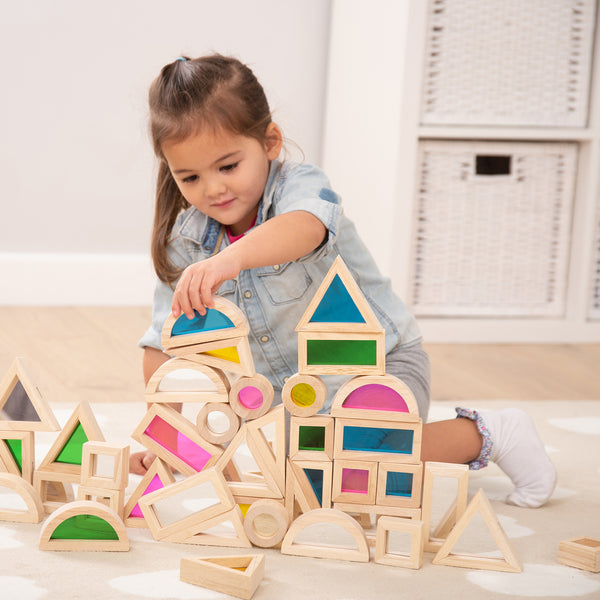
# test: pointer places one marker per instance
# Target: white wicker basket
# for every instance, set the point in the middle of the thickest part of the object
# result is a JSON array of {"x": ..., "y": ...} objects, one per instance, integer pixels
[
  {"x": 492, "y": 244},
  {"x": 508, "y": 62}
]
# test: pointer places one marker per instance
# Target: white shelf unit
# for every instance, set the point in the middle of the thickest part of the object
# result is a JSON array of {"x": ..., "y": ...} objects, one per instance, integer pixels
[{"x": 578, "y": 317}]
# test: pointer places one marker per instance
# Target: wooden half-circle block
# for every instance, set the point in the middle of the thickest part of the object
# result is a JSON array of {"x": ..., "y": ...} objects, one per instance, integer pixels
[
  {"x": 251, "y": 397},
  {"x": 329, "y": 516},
  {"x": 212, "y": 431},
  {"x": 182, "y": 380},
  {"x": 33, "y": 502},
  {"x": 266, "y": 523},
  {"x": 377, "y": 397},
  {"x": 226, "y": 320},
  {"x": 84, "y": 525},
  {"x": 304, "y": 395}
]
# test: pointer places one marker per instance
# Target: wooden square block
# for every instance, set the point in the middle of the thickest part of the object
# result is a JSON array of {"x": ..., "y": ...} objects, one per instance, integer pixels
[
  {"x": 414, "y": 528},
  {"x": 354, "y": 481},
  {"x": 399, "y": 485},
  {"x": 114, "y": 499},
  {"x": 580, "y": 552},
  {"x": 311, "y": 438},
  {"x": 105, "y": 465}
]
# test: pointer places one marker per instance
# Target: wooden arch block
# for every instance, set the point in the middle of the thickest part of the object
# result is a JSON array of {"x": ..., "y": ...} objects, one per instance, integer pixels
[
  {"x": 33, "y": 502},
  {"x": 84, "y": 526},
  {"x": 329, "y": 516},
  {"x": 211, "y": 385}
]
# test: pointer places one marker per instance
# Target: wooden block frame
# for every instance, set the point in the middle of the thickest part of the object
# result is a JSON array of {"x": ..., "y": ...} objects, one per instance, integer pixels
[
  {"x": 434, "y": 470},
  {"x": 299, "y": 488},
  {"x": 180, "y": 424},
  {"x": 304, "y": 368},
  {"x": 114, "y": 499},
  {"x": 77, "y": 508},
  {"x": 378, "y": 510},
  {"x": 200, "y": 355},
  {"x": 308, "y": 406},
  {"x": 233, "y": 575},
  {"x": 411, "y": 501},
  {"x": 581, "y": 553},
  {"x": 209, "y": 433},
  {"x": 7, "y": 462},
  {"x": 318, "y": 421},
  {"x": 220, "y": 393},
  {"x": 118, "y": 453},
  {"x": 264, "y": 388},
  {"x": 53, "y": 490},
  {"x": 389, "y": 381},
  {"x": 33, "y": 502},
  {"x": 339, "y": 494},
  {"x": 413, "y": 457},
  {"x": 415, "y": 528},
  {"x": 223, "y": 502},
  {"x": 266, "y": 523}
]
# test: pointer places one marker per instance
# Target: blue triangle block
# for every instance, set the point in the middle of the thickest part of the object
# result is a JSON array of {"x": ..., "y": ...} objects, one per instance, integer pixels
[
  {"x": 337, "y": 306},
  {"x": 211, "y": 321},
  {"x": 315, "y": 478}
]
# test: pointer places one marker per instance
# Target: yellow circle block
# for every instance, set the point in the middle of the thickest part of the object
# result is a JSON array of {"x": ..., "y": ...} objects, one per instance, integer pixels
[{"x": 303, "y": 394}]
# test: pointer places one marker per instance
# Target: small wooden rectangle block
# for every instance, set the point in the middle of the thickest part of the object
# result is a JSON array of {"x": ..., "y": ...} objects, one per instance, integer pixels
[
  {"x": 354, "y": 481},
  {"x": 399, "y": 485},
  {"x": 234, "y": 575},
  {"x": 114, "y": 499},
  {"x": 377, "y": 509},
  {"x": 581, "y": 553},
  {"x": 117, "y": 455},
  {"x": 302, "y": 447},
  {"x": 415, "y": 528}
]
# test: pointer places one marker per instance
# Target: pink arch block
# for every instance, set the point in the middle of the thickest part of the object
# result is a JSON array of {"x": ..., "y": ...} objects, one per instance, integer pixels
[{"x": 376, "y": 396}]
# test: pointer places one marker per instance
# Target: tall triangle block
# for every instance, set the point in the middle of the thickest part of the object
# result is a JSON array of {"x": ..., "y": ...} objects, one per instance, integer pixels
[
  {"x": 65, "y": 457},
  {"x": 509, "y": 562},
  {"x": 339, "y": 332},
  {"x": 17, "y": 453},
  {"x": 17, "y": 384},
  {"x": 225, "y": 321}
]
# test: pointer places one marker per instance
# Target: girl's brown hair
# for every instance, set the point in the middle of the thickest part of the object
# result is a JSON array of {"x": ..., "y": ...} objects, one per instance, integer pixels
[{"x": 190, "y": 95}]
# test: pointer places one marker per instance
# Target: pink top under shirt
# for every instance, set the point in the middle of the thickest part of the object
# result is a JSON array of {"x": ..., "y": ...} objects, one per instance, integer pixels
[{"x": 234, "y": 238}]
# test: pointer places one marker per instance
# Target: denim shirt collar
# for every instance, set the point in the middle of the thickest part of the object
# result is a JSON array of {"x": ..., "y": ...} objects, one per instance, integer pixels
[{"x": 205, "y": 231}]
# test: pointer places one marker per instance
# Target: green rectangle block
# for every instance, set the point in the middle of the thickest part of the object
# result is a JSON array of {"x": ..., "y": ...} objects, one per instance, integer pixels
[{"x": 341, "y": 352}]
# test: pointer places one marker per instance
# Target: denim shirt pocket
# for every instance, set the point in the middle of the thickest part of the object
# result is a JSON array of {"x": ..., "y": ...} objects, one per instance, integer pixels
[
  {"x": 285, "y": 283},
  {"x": 227, "y": 288}
]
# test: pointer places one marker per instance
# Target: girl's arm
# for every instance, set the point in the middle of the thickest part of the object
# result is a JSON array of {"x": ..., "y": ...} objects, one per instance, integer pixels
[{"x": 284, "y": 238}]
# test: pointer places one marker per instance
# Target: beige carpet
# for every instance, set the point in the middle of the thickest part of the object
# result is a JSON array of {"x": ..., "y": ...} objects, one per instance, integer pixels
[{"x": 571, "y": 431}]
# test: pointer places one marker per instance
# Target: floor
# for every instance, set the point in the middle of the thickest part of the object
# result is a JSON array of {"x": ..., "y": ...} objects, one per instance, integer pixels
[{"x": 91, "y": 352}]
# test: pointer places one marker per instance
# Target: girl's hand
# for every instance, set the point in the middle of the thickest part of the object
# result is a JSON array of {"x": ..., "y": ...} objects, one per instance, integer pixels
[{"x": 201, "y": 280}]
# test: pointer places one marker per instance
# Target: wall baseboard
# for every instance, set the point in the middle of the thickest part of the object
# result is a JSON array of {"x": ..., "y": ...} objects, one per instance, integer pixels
[{"x": 53, "y": 279}]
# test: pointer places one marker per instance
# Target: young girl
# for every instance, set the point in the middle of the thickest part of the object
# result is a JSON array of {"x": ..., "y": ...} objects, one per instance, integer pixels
[{"x": 232, "y": 219}]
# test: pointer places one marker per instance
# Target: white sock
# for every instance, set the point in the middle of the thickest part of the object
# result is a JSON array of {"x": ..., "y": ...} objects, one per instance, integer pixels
[{"x": 518, "y": 450}]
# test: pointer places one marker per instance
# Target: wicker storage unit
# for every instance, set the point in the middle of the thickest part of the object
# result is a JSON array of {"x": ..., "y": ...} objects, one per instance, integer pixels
[
  {"x": 492, "y": 228},
  {"x": 508, "y": 62},
  {"x": 594, "y": 311}
]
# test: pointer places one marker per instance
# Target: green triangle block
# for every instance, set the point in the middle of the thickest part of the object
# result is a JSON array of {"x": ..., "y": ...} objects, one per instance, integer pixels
[
  {"x": 16, "y": 449},
  {"x": 72, "y": 451},
  {"x": 84, "y": 527}
]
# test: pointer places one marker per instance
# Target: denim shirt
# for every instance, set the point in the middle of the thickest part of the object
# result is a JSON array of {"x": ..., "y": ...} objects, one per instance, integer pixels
[{"x": 274, "y": 298}]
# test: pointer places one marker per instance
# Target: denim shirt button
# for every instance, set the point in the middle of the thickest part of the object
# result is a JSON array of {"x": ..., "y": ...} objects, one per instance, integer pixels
[
  {"x": 264, "y": 339},
  {"x": 208, "y": 248},
  {"x": 276, "y": 267},
  {"x": 247, "y": 294}
]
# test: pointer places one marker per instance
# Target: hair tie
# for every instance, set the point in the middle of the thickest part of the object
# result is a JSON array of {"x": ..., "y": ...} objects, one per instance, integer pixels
[{"x": 183, "y": 58}]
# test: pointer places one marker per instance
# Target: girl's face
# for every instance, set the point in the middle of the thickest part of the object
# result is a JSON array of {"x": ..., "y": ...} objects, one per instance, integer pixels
[{"x": 222, "y": 174}]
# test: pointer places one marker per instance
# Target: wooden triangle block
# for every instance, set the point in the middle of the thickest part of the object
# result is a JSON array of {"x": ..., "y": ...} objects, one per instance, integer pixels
[
  {"x": 16, "y": 380},
  {"x": 17, "y": 453},
  {"x": 205, "y": 385},
  {"x": 201, "y": 533},
  {"x": 266, "y": 484},
  {"x": 308, "y": 494},
  {"x": 225, "y": 321},
  {"x": 339, "y": 305},
  {"x": 34, "y": 507},
  {"x": 234, "y": 575},
  {"x": 510, "y": 561},
  {"x": 84, "y": 526},
  {"x": 65, "y": 456},
  {"x": 233, "y": 355},
  {"x": 157, "y": 476}
]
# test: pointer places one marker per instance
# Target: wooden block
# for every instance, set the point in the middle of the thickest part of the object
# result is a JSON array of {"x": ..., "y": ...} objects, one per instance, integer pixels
[
  {"x": 378, "y": 510},
  {"x": 211, "y": 427},
  {"x": 341, "y": 353},
  {"x": 354, "y": 481},
  {"x": 458, "y": 503},
  {"x": 167, "y": 510},
  {"x": 339, "y": 305},
  {"x": 414, "y": 528},
  {"x": 234, "y": 575},
  {"x": 581, "y": 553},
  {"x": 376, "y": 397},
  {"x": 18, "y": 376},
  {"x": 309, "y": 484},
  {"x": 176, "y": 440},
  {"x": 399, "y": 485},
  {"x": 17, "y": 453},
  {"x": 311, "y": 438},
  {"x": 82, "y": 526},
  {"x": 233, "y": 355},
  {"x": 52, "y": 490},
  {"x": 114, "y": 499},
  {"x": 225, "y": 321},
  {"x": 196, "y": 383},
  {"x": 304, "y": 395},
  {"x": 266, "y": 523},
  {"x": 362, "y": 440},
  {"x": 34, "y": 508},
  {"x": 329, "y": 516},
  {"x": 157, "y": 476},
  {"x": 204, "y": 534},
  {"x": 105, "y": 465},
  {"x": 251, "y": 397},
  {"x": 510, "y": 561}
]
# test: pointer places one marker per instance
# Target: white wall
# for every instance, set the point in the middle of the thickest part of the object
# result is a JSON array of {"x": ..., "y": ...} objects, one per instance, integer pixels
[{"x": 75, "y": 159}]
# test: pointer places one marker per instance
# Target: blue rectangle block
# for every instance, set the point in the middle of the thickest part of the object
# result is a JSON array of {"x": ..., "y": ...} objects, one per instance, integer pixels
[
  {"x": 376, "y": 439},
  {"x": 399, "y": 484}
]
